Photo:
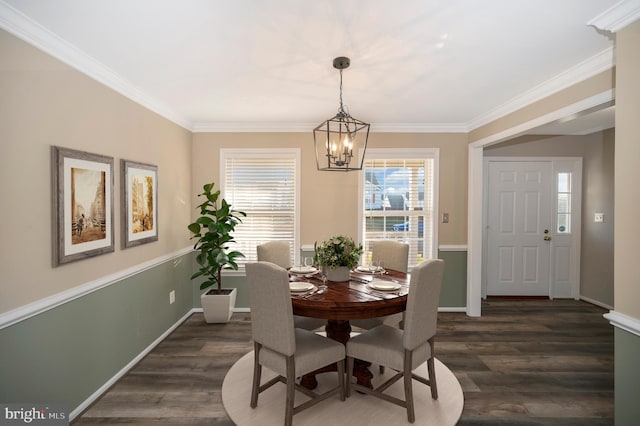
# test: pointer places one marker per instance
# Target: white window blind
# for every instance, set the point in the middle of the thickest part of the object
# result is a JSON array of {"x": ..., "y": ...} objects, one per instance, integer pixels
[
  {"x": 264, "y": 185},
  {"x": 399, "y": 201}
]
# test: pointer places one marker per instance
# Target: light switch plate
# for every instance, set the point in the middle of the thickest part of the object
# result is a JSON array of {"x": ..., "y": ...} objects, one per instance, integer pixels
[
  {"x": 172, "y": 297},
  {"x": 598, "y": 217}
]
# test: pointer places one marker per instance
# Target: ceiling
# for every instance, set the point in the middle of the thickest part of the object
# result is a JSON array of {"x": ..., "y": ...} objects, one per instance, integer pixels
[{"x": 416, "y": 65}]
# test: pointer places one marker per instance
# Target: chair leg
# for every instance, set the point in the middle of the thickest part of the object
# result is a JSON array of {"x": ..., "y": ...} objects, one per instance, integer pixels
[
  {"x": 291, "y": 382},
  {"x": 432, "y": 378},
  {"x": 257, "y": 372},
  {"x": 349, "y": 374},
  {"x": 341, "y": 379},
  {"x": 432, "y": 371},
  {"x": 408, "y": 386}
]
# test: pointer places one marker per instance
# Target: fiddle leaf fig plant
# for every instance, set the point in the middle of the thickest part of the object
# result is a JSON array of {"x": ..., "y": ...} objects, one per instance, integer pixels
[{"x": 213, "y": 233}]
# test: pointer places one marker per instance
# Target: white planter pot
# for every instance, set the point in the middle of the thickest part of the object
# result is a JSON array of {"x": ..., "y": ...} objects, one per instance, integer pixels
[
  {"x": 338, "y": 274},
  {"x": 218, "y": 308}
]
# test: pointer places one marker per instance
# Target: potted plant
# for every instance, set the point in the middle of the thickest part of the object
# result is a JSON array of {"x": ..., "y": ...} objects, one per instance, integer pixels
[
  {"x": 213, "y": 232},
  {"x": 337, "y": 256}
]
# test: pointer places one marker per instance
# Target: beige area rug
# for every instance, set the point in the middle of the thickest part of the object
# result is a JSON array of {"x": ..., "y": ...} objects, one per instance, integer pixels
[{"x": 358, "y": 409}]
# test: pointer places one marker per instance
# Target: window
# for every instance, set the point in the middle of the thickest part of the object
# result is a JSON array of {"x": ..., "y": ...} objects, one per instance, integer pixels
[
  {"x": 563, "y": 206},
  {"x": 264, "y": 185},
  {"x": 399, "y": 197}
]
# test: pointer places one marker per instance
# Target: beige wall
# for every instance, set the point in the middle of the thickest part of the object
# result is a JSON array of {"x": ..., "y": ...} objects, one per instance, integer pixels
[
  {"x": 582, "y": 90},
  {"x": 596, "y": 150},
  {"x": 627, "y": 171},
  {"x": 44, "y": 102},
  {"x": 329, "y": 200}
]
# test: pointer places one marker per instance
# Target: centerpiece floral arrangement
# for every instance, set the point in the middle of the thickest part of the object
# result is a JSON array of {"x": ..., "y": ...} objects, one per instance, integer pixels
[{"x": 337, "y": 251}]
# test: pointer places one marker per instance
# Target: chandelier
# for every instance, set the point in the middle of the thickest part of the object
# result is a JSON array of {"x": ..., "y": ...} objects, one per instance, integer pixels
[{"x": 338, "y": 139}]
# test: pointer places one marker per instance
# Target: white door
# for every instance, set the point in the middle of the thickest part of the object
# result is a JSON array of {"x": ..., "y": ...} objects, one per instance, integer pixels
[{"x": 519, "y": 219}]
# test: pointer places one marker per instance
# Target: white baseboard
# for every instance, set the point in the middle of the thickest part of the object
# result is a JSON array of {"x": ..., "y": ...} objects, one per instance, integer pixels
[
  {"x": 596, "y": 302},
  {"x": 453, "y": 309},
  {"x": 102, "y": 389}
]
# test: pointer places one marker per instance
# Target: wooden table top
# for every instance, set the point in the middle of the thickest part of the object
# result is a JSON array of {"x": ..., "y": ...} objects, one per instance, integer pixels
[{"x": 352, "y": 299}]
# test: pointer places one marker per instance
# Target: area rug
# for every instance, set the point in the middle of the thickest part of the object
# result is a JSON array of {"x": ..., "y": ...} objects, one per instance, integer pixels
[{"x": 359, "y": 409}]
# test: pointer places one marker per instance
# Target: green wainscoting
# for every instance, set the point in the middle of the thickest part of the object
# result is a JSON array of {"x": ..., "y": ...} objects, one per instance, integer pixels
[
  {"x": 627, "y": 378},
  {"x": 454, "y": 282},
  {"x": 67, "y": 353}
]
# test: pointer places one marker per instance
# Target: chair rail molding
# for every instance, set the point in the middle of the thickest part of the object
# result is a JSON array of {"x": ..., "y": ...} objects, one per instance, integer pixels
[
  {"x": 624, "y": 322},
  {"x": 22, "y": 313}
]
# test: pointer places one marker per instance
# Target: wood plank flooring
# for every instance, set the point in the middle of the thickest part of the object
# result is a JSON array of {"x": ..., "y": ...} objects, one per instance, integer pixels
[{"x": 524, "y": 362}]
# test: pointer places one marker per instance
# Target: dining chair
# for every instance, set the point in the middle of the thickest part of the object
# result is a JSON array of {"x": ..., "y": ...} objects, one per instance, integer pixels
[
  {"x": 289, "y": 352},
  {"x": 395, "y": 256},
  {"x": 277, "y": 252},
  {"x": 404, "y": 350}
]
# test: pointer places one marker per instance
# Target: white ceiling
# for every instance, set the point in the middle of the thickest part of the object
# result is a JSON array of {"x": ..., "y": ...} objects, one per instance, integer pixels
[{"x": 416, "y": 65}]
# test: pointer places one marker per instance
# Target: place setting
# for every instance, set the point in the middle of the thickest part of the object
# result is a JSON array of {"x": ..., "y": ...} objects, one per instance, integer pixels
[{"x": 307, "y": 269}]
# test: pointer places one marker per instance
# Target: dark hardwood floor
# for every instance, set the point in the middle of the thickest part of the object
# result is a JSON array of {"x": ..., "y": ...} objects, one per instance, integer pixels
[{"x": 524, "y": 362}]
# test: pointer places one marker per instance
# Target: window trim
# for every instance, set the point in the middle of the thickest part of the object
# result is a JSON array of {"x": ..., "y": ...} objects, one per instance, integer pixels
[
  {"x": 400, "y": 154},
  {"x": 293, "y": 153}
]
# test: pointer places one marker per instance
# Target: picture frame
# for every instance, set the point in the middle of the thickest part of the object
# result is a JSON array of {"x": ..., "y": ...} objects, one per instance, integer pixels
[
  {"x": 139, "y": 203},
  {"x": 82, "y": 200}
]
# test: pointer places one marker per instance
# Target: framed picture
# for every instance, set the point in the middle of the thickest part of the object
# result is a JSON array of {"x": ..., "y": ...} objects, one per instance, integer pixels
[
  {"x": 139, "y": 203},
  {"x": 82, "y": 192}
]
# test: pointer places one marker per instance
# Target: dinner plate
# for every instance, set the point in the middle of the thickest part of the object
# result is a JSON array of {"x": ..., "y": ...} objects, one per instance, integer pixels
[
  {"x": 363, "y": 268},
  {"x": 303, "y": 270},
  {"x": 384, "y": 285},
  {"x": 301, "y": 286}
]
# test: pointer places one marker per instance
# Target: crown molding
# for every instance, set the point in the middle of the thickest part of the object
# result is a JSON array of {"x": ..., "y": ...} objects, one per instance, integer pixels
[
  {"x": 617, "y": 16},
  {"x": 594, "y": 65},
  {"x": 35, "y": 34},
  {"x": 419, "y": 128},
  {"x": 249, "y": 127}
]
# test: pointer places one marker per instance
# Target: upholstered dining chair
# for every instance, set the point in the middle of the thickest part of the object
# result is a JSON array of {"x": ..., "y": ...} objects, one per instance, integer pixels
[
  {"x": 290, "y": 352},
  {"x": 278, "y": 253},
  {"x": 404, "y": 350},
  {"x": 394, "y": 255}
]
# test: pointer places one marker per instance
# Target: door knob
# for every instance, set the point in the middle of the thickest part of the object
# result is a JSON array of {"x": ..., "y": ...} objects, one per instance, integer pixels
[{"x": 547, "y": 238}]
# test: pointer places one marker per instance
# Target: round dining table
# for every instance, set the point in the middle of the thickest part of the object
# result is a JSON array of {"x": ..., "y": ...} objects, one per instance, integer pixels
[{"x": 340, "y": 302}]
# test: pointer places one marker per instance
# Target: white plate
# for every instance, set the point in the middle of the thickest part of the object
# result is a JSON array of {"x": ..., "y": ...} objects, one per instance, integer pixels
[
  {"x": 303, "y": 270},
  {"x": 384, "y": 285},
  {"x": 363, "y": 268},
  {"x": 301, "y": 286}
]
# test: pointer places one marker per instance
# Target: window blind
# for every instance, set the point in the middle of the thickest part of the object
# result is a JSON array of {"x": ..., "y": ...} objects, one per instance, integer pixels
[
  {"x": 399, "y": 205},
  {"x": 265, "y": 188}
]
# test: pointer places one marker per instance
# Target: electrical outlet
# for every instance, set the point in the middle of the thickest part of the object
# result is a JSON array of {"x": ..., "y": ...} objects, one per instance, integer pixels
[
  {"x": 598, "y": 217},
  {"x": 172, "y": 296}
]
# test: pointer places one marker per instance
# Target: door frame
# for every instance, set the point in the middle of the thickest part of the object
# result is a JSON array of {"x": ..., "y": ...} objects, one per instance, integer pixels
[
  {"x": 475, "y": 187},
  {"x": 557, "y": 288}
]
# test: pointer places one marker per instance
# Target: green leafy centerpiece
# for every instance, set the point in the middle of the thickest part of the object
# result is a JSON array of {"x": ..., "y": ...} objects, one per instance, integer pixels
[{"x": 337, "y": 256}]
